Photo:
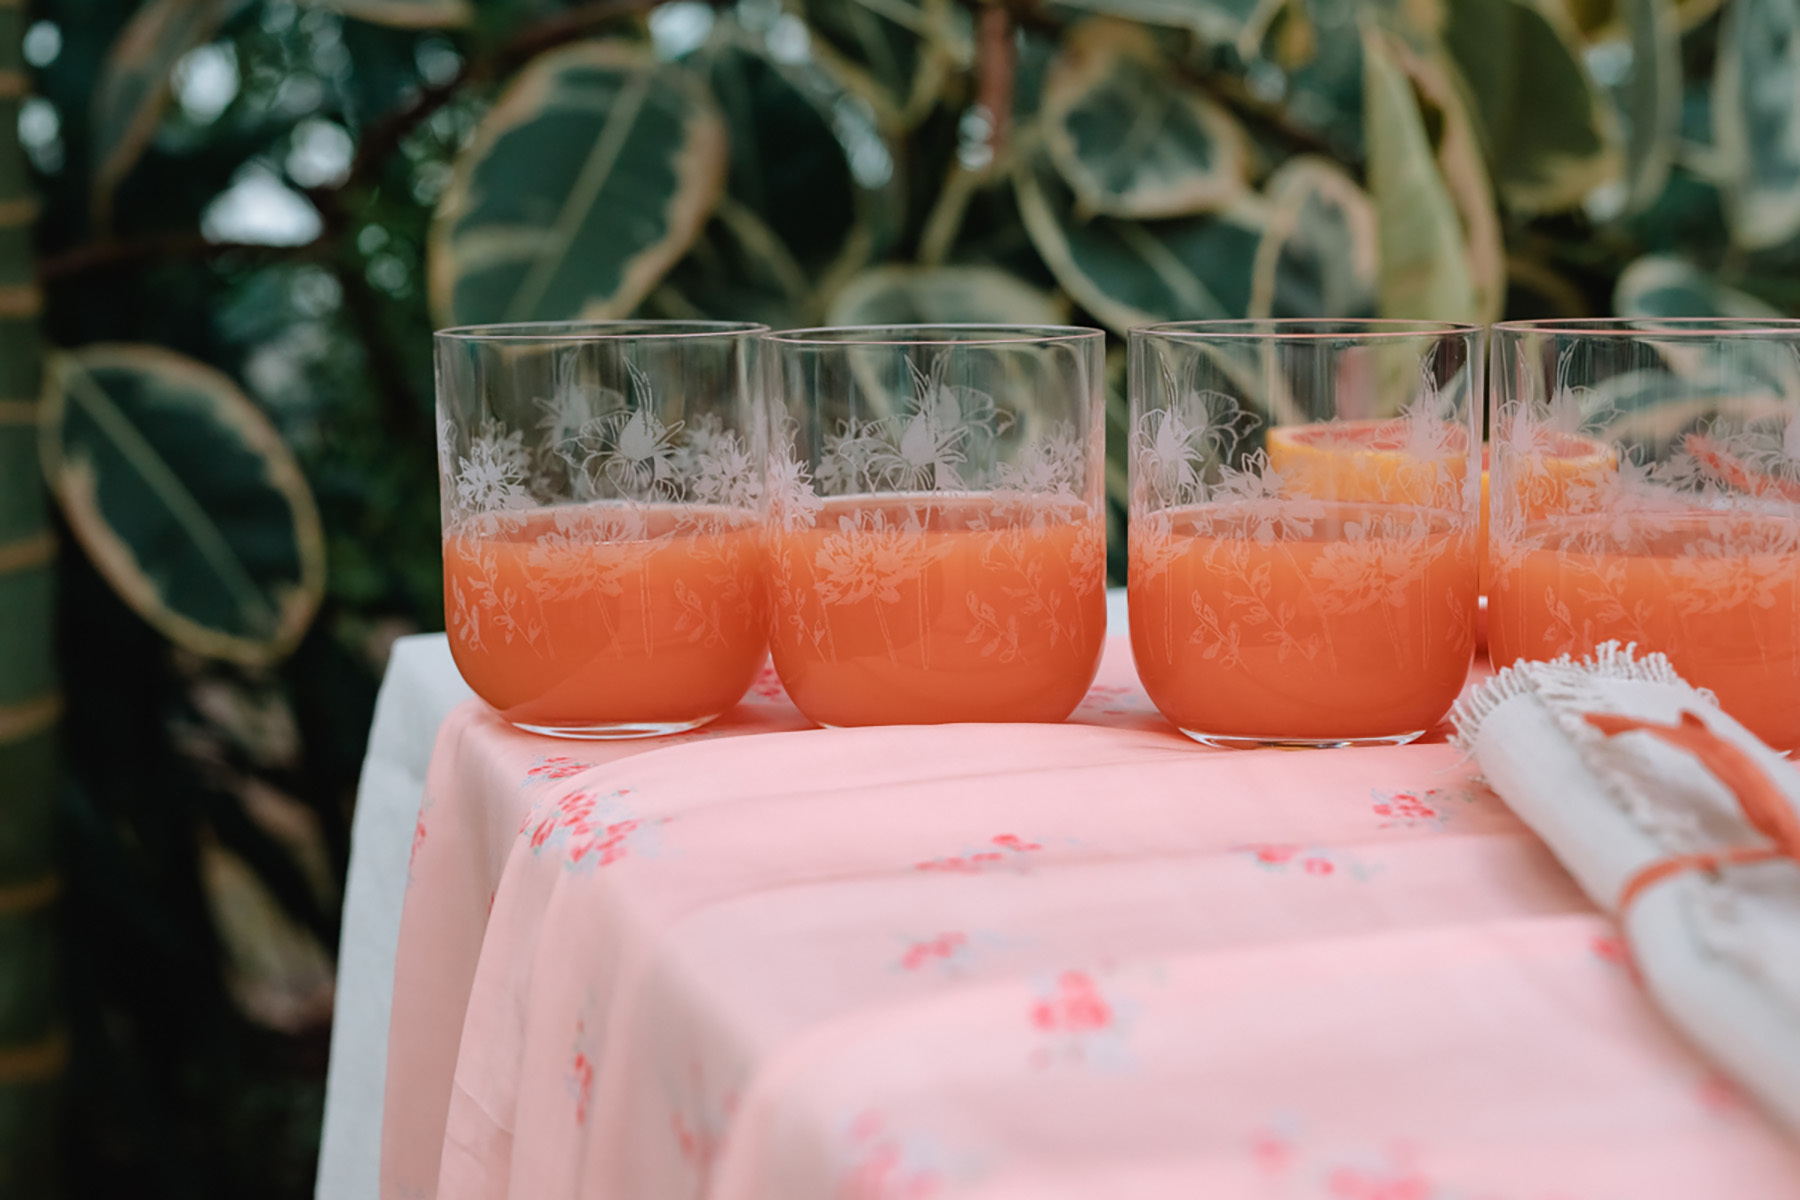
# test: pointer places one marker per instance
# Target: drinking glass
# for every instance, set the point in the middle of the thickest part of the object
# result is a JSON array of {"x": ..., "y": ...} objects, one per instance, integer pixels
[
  {"x": 1646, "y": 488},
  {"x": 1304, "y": 526},
  {"x": 937, "y": 539},
  {"x": 602, "y": 489}
]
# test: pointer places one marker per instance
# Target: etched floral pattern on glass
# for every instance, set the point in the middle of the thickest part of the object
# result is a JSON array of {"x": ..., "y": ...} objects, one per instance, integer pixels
[
  {"x": 1291, "y": 580},
  {"x": 1672, "y": 522},
  {"x": 918, "y": 556},
  {"x": 603, "y": 562}
]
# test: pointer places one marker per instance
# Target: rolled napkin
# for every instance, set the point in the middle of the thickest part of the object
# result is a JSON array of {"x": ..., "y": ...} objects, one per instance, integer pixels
[{"x": 1677, "y": 820}]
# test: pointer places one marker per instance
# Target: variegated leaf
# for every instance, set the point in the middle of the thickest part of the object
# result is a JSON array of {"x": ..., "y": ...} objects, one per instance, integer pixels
[
  {"x": 1756, "y": 120},
  {"x": 1130, "y": 138},
  {"x": 1550, "y": 134},
  {"x": 1221, "y": 22},
  {"x": 894, "y": 54},
  {"x": 973, "y": 295},
  {"x": 404, "y": 14},
  {"x": 1134, "y": 273},
  {"x": 1661, "y": 285},
  {"x": 1319, "y": 255},
  {"x": 185, "y": 498},
  {"x": 1426, "y": 269},
  {"x": 582, "y": 187},
  {"x": 1651, "y": 99},
  {"x": 1666, "y": 286},
  {"x": 133, "y": 88}
]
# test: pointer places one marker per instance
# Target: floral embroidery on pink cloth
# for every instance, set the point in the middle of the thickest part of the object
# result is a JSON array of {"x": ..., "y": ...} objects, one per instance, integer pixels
[
  {"x": 944, "y": 948},
  {"x": 1392, "y": 1173},
  {"x": 1007, "y": 848},
  {"x": 1429, "y": 808},
  {"x": 883, "y": 1167},
  {"x": 1611, "y": 949},
  {"x": 591, "y": 831},
  {"x": 767, "y": 689},
  {"x": 418, "y": 837},
  {"x": 698, "y": 1123},
  {"x": 1081, "y": 1023},
  {"x": 1113, "y": 700},
  {"x": 581, "y": 1072},
  {"x": 1284, "y": 858},
  {"x": 545, "y": 768}
]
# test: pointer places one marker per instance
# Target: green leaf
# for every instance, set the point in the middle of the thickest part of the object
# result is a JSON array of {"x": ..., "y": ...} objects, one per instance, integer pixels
[
  {"x": 1660, "y": 285},
  {"x": 1426, "y": 268},
  {"x": 403, "y": 14},
  {"x": 1221, "y": 22},
  {"x": 894, "y": 54},
  {"x": 133, "y": 88},
  {"x": 1550, "y": 134},
  {"x": 1136, "y": 273},
  {"x": 787, "y": 164},
  {"x": 1319, "y": 255},
  {"x": 582, "y": 187},
  {"x": 1651, "y": 99},
  {"x": 903, "y": 295},
  {"x": 1756, "y": 120},
  {"x": 1129, "y": 138},
  {"x": 185, "y": 498},
  {"x": 738, "y": 270}
]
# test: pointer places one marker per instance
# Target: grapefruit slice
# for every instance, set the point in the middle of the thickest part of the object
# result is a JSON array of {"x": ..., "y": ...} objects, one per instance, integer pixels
[
  {"x": 1546, "y": 477},
  {"x": 1369, "y": 462}
]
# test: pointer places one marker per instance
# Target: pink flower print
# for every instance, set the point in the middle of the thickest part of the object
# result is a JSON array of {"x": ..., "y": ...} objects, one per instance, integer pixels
[
  {"x": 1350, "y": 1183},
  {"x": 1282, "y": 858},
  {"x": 1075, "y": 1006},
  {"x": 941, "y": 948},
  {"x": 1271, "y": 1151},
  {"x": 582, "y": 1074},
  {"x": 881, "y": 1167},
  {"x": 1009, "y": 844},
  {"x": 1611, "y": 948},
  {"x": 768, "y": 687},
  {"x": 1405, "y": 808},
  {"x": 594, "y": 831},
  {"x": 698, "y": 1146},
  {"x": 555, "y": 766}
]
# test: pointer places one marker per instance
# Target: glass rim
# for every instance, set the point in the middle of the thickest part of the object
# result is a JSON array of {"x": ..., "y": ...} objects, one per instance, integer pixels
[
  {"x": 986, "y": 334},
  {"x": 623, "y": 330},
  {"x": 1690, "y": 327},
  {"x": 1303, "y": 328}
]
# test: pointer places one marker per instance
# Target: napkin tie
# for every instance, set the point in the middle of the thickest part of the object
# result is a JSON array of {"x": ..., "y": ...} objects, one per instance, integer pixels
[{"x": 1762, "y": 801}]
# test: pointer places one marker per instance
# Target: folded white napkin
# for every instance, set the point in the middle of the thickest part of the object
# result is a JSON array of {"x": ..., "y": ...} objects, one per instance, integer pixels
[{"x": 1718, "y": 949}]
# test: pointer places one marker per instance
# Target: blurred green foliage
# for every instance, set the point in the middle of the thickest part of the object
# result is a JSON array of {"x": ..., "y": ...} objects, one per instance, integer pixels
[{"x": 295, "y": 194}]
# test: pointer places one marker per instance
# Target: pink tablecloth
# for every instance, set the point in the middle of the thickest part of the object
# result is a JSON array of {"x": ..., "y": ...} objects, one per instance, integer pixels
[{"x": 1086, "y": 960}]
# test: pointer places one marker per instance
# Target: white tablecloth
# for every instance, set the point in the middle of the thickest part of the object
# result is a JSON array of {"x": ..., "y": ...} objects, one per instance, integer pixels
[{"x": 421, "y": 686}]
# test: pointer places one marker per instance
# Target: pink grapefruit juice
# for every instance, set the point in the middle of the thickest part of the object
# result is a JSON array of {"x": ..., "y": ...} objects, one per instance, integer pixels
[
  {"x": 593, "y": 616},
  {"x": 929, "y": 610},
  {"x": 1718, "y": 593},
  {"x": 1355, "y": 622}
]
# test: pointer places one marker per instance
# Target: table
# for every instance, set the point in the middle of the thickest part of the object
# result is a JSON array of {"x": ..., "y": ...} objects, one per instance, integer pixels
[
  {"x": 1060, "y": 960},
  {"x": 419, "y": 690}
]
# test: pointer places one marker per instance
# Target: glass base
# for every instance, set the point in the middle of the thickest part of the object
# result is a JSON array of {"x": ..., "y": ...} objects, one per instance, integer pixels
[
  {"x": 1233, "y": 741},
  {"x": 616, "y": 731}
]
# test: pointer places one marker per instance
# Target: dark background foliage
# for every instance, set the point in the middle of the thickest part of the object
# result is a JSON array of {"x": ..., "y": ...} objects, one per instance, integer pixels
[{"x": 1097, "y": 161}]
